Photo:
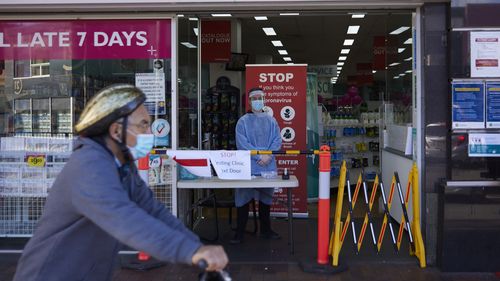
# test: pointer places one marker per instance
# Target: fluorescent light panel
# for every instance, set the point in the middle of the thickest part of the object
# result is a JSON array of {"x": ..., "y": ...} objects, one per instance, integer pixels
[
  {"x": 340, "y": 63},
  {"x": 289, "y": 63},
  {"x": 180, "y": 15},
  {"x": 277, "y": 43},
  {"x": 409, "y": 71},
  {"x": 221, "y": 15},
  {"x": 400, "y": 30},
  {"x": 353, "y": 29},
  {"x": 195, "y": 30},
  {"x": 395, "y": 77},
  {"x": 287, "y": 58},
  {"x": 358, "y": 16},
  {"x": 269, "y": 31},
  {"x": 408, "y": 59},
  {"x": 260, "y": 18},
  {"x": 283, "y": 52},
  {"x": 342, "y": 58},
  {"x": 345, "y": 51},
  {"x": 348, "y": 42},
  {"x": 400, "y": 50},
  {"x": 374, "y": 71},
  {"x": 408, "y": 41},
  {"x": 289, "y": 14},
  {"x": 394, "y": 64},
  {"x": 189, "y": 45},
  {"x": 193, "y": 19}
]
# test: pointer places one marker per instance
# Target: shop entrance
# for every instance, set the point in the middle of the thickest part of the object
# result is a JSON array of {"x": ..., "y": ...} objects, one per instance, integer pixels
[{"x": 361, "y": 85}]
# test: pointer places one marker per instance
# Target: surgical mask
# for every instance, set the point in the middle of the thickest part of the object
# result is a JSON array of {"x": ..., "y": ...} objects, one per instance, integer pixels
[
  {"x": 257, "y": 105},
  {"x": 143, "y": 146}
]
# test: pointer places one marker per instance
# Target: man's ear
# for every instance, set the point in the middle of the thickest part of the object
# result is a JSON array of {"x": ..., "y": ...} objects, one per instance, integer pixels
[{"x": 115, "y": 131}]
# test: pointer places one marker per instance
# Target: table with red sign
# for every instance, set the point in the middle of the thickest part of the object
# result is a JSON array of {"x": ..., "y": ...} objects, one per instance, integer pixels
[{"x": 255, "y": 182}]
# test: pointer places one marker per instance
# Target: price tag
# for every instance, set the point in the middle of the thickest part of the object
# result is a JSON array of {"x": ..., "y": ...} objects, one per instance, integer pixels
[{"x": 35, "y": 160}]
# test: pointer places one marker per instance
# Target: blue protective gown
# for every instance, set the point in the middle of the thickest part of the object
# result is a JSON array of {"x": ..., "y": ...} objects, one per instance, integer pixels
[{"x": 257, "y": 131}]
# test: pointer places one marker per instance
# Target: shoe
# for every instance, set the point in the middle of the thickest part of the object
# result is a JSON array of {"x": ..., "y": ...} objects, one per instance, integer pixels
[
  {"x": 237, "y": 239},
  {"x": 270, "y": 235}
]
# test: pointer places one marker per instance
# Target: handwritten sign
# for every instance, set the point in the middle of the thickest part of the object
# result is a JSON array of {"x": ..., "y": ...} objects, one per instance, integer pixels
[
  {"x": 35, "y": 160},
  {"x": 231, "y": 164}
]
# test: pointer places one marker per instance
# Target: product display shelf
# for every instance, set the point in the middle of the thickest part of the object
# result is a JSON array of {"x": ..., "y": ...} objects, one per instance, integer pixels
[{"x": 355, "y": 143}]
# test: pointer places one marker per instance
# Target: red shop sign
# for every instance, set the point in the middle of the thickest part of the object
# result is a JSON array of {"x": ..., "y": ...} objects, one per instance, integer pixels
[{"x": 85, "y": 39}]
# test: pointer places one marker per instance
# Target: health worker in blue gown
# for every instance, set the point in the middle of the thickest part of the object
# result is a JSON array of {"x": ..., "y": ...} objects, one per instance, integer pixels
[{"x": 257, "y": 130}]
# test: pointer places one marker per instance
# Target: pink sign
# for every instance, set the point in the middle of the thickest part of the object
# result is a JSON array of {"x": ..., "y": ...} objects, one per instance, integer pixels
[{"x": 85, "y": 39}]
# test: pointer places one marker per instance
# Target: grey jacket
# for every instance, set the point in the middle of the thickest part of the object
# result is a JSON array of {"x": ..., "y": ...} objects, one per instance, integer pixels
[{"x": 89, "y": 211}]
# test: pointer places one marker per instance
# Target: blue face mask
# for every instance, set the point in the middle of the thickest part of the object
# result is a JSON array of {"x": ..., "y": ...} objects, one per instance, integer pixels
[
  {"x": 143, "y": 146},
  {"x": 257, "y": 105}
]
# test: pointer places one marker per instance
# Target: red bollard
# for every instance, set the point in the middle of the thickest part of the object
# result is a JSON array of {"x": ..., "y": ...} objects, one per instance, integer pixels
[{"x": 324, "y": 205}]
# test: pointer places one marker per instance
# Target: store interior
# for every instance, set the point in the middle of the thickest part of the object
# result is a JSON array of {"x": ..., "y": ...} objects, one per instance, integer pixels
[{"x": 370, "y": 88}]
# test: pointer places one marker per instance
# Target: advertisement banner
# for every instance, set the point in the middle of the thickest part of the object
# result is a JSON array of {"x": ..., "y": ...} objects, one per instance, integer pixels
[
  {"x": 285, "y": 88},
  {"x": 85, "y": 39},
  {"x": 215, "y": 41}
]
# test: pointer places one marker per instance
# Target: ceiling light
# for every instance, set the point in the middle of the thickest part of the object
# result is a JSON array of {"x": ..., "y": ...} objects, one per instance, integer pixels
[
  {"x": 353, "y": 29},
  {"x": 289, "y": 14},
  {"x": 269, "y": 31},
  {"x": 345, "y": 51},
  {"x": 348, "y": 42},
  {"x": 395, "y": 77},
  {"x": 358, "y": 16},
  {"x": 221, "y": 15},
  {"x": 374, "y": 71},
  {"x": 409, "y": 71},
  {"x": 340, "y": 63},
  {"x": 277, "y": 43},
  {"x": 394, "y": 64},
  {"x": 400, "y": 50},
  {"x": 189, "y": 45},
  {"x": 408, "y": 59},
  {"x": 400, "y": 30},
  {"x": 283, "y": 52},
  {"x": 195, "y": 30},
  {"x": 180, "y": 15},
  {"x": 342, "y": 58},
  {"x": 408, "y": 41},
  {"x": 260, "y": 18},
  {"x": 289, "y": 63},
  {"x": 402, "y": 74},
  {"x": 339, "y": 68},
  {"x": 287, "y": 58},
  {"x": 193, "y": 19}
]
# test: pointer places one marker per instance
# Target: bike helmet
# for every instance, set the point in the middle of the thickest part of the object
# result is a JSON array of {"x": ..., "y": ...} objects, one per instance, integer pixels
[{"x": 107, "y": 106}]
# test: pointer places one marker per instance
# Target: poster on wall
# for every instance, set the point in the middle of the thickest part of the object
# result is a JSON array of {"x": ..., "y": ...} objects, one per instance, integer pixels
[
  {"x": 215, "y": 41},
  {"x": 492, "y": 104},
  {"x": 153, "y": 86},
  {"x": 467, "y": 105},
  {"x": 85, "y": 39},
  {"x": 485, "y": 54},
  {"x": 285, "y": 88},
  {"x": 484, "y": 145}
]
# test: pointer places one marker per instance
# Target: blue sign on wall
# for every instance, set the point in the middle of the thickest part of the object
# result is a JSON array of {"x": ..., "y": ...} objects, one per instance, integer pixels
[
  {"x": 467, "y": 105},
  {"x": 492, "y": 104}
]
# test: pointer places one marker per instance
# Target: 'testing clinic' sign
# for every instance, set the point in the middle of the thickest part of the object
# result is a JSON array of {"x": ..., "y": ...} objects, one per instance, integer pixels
[{"x": 85, "y": 39}]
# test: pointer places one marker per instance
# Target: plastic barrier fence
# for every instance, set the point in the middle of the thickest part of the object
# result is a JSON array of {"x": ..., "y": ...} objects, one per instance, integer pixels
[{"x": 341, "y": 228}]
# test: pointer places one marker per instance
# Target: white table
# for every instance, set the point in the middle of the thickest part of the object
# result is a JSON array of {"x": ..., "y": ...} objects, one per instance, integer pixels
[{"x": 255, "y": 182}]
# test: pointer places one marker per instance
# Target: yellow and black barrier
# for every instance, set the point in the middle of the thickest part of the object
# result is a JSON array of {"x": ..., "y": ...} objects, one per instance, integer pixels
[{"x": 340, "y": 228}]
